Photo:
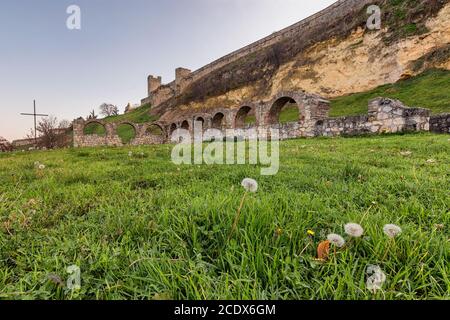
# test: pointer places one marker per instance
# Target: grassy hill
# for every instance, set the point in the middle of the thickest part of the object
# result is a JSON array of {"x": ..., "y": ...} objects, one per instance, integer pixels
[
  {"x": 430, "y": 89},
  {"x": 141, "y": 227}
]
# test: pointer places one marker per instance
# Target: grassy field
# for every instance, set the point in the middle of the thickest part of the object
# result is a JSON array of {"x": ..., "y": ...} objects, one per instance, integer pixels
[{"x": 140, "y": 227}]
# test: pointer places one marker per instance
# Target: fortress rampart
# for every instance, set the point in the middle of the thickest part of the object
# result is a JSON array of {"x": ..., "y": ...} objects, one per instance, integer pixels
[{"x": 158, "y": 93}]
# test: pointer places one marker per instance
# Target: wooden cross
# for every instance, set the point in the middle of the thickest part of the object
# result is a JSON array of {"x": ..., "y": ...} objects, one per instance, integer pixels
[{"x": 35, "y": 115}]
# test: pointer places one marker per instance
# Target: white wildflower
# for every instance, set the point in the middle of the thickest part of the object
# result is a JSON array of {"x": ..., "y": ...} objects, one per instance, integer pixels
[
  {"x": 130, "y": 154},
  {"x": 250, "y": 185},
  {"x": 431, "y": 161},
  {"x": 354, "y": 230},
  {"x": 336, "y": 239},
  {"x": 406, "y": 153},
  {"x": 41, "y": 167},
  {"x": 376, "y": 278},
  {"x": 391, "y": 230}
]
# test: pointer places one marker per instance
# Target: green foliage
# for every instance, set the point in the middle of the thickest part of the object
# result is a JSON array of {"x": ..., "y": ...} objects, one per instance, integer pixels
[
  {"x": 430, "y": 89},
  {"x": 126, "y": 133},
  {"x": 289, "y": 113},
  {"x": 140, "y": 227}
]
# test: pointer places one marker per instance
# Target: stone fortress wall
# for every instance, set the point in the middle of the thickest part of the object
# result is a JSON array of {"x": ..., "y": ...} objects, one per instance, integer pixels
[{"x": 159, "y": 93}]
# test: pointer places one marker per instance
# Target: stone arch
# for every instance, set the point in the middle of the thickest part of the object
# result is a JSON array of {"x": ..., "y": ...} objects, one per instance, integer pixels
[
  {"x": 95, "y": 127},
  {"x": 126, "y": 131},
  {"x": 154, "y": 129},
  {"x": 246, "y": 114},
  {"x": 218, "y": 120},
  {"x": 281, "y": 103},
  {"x": 172, "y": 128},
  {"x": 185, "y": 125}
]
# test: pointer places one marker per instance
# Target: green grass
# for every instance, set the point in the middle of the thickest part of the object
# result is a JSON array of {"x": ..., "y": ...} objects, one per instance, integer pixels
[
  {"x": 289, "y": 113},
  {"x": 430, "y": 90},
  {"x": 140, "y": 227}
]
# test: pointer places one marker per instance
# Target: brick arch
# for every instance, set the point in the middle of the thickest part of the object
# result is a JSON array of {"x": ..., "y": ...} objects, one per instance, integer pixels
[{"x": 242, "y": 112}]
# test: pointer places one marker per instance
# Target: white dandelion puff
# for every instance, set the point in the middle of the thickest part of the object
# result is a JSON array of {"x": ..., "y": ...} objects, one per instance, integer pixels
[
  {"x": 41, "y": 167},
  {"x": 336, "y": 239},
  {"x": 354, "y": 230},
  {"x": 376, "y": 278},
  {"x": 130, "y": 154},
  {"x": 392, "y": 230},
  {"x": 250, "y": 185}
]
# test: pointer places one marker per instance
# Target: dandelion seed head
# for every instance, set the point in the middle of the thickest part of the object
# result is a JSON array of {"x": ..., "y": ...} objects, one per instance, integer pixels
[
  {"x": 376, "y": 278},
  {"x": 41, "y": 167},
  {"x": 336, "y": 239},
  {"x": 250, "y": 185},
  {"x": 354, "y": 230},
  {"x": 392, "y": 230}
]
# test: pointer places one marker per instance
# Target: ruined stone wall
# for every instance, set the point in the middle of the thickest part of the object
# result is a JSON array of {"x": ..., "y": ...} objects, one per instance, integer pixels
[
  {"x": 384, "y": 116},
  {"x": 111, "y": 137},
  {"x": 440, "y": 123}
]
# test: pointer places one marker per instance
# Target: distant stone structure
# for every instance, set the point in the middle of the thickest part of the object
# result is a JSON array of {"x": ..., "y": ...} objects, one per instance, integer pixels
[
  {"x": 5, "y": 146},
  {"x": 384, "y": 116}
]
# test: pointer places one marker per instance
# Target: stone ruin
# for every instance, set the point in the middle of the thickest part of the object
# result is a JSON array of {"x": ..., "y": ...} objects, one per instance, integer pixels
[
  {"x": 384, "y": 116},
  {"x": 5, "y": 146}
]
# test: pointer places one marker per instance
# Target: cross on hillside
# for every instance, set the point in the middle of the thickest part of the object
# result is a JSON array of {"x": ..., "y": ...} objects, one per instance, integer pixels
[{"x": 35, "y": 115}]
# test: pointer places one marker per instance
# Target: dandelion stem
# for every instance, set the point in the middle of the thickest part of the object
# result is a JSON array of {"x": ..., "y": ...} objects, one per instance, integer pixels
[
  {"x": 238, "y": 215},
  {"x": 387, "y": 250}
]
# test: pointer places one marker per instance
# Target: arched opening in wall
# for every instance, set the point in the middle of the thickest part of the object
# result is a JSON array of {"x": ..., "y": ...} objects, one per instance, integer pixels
[
  {"x": 245, "y": 116},
  {"x": 172, "y": 129},
  {"x": 95, "y": 128},
  {"x": 217, "y": 120},
  {"x": 126, "y": 132},
  {"x": 154, "y": 130},
  {"x": 284, "y": 110},
  {"x": 185, "y": 125},
  {"x": 202, "y": 120}
]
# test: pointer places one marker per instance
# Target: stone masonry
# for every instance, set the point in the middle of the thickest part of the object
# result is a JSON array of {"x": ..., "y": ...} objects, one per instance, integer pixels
[{"x": 384, "y": 116}]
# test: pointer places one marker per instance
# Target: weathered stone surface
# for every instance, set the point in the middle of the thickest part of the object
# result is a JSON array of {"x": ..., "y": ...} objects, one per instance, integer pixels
[
  {"x": 440, "y": 123},
  {"x": 5, "y": 145},
  {"x": 384, "y": 116}
]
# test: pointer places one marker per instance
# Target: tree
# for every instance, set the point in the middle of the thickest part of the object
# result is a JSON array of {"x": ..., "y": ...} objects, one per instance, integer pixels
[
  {"x": 64, "y": 124},
  {"x": 92, "y": 115},
  {"x": 50, "y": 134},
  {"x": 108, "y": 110}
]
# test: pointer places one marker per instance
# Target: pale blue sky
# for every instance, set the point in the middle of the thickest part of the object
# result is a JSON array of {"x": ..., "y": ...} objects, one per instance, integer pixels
[{"x": 121, "y": 41}]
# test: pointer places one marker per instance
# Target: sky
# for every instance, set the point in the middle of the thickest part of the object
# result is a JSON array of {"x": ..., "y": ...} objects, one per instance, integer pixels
[{"x": 121, "y": 42}]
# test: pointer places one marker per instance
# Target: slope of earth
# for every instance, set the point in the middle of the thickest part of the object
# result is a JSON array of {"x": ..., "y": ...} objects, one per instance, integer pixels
[
  {"x": 141, "y": 227},
  {"x": 430, "y": 89}
]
